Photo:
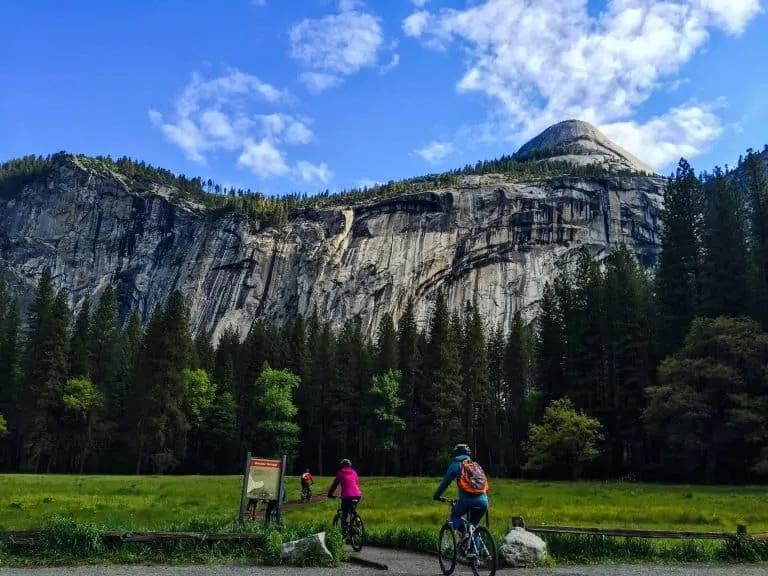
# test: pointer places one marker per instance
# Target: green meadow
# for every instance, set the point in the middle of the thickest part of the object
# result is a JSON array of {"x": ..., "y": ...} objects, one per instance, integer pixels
[{"x": 165, "y": 502}]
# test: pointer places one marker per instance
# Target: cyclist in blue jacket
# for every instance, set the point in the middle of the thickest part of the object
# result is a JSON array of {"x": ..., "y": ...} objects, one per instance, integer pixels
[{"x": 475, "y": 501}]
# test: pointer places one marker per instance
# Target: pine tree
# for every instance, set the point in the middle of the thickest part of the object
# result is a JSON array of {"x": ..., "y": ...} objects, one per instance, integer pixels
[
  {"x": 104, "y": 345},
  {"x": 386, "y": 346},
  {"x": 79, "y": 355},
  {"x": 204, "y": 353},
  {"x": 516, "y": 381},
  {"x": 296, "y": 339},
  {"x": 678, "y": 277},
  {"x": 226, "y": 361},
  {"x": 725, "y": 285},
  {"x": 755, "y": 181},
  {"x": 550, "y": 347},
  {"x": 496, "y": 416},
  {"x": 409, "y": 365},
  {"x": 40, "y": 392},
  {"x": 439, "y": 411},
  {"x": 383, "y": 405},
  {"x": 178, "y": 348},
  {"x": 345, "y": 398},
  {"x": 584, "y": 358},
  {"x": 144, "y": 411},
  {"x": 628, "y": 359},
  {"x": 475, "y": 382},
  {"x": 10, "y": 375}
]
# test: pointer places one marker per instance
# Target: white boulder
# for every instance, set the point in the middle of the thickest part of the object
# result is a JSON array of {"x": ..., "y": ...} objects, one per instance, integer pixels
[
  {"x": 310, "y": 550},
  {"x": 522, "y": 549}
]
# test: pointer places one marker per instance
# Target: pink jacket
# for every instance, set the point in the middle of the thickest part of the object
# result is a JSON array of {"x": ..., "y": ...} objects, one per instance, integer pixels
[{"x": 350, "y": 487}]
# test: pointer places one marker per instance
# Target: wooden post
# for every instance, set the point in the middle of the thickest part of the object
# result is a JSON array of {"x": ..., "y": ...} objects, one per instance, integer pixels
[
  {"x": 279, "y": 490},
  {"x": 245, "y": 487}
]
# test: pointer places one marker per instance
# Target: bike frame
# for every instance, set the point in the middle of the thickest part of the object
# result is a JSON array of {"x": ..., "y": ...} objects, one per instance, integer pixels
[{"x": 467, "y": 523}]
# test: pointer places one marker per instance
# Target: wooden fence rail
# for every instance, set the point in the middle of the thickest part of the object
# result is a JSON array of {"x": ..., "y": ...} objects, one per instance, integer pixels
[
  {"x": 632, "y": 533},
  {"x": 138, "y": 537},
  {"x": 741, "y": 530},
  {"x": 116, "y": 537}
]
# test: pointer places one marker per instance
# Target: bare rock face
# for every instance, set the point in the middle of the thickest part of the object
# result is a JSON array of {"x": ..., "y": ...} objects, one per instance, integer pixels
[
  {"x": 488, "y": 240},
  {"x": 579, "y": 142}
]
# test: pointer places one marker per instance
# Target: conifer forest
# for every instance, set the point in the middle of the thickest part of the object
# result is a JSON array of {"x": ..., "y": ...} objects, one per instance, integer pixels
[{"x": 625, "y": 373}]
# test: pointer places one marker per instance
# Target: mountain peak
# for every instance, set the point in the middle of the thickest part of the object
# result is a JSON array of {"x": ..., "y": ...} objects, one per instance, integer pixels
[{"x": 580, "y": 142}]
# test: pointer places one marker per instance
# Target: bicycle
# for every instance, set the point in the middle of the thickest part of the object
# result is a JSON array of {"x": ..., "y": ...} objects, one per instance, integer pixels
[
  {"x": 306, "y": 494},
  {"x": 253, "y": 506},
  {"x": 355, "y": 532},
  {"x": 475, "y": 553}
]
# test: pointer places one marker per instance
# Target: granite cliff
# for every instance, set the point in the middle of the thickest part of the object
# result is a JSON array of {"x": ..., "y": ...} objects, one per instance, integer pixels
[{"x": 488, "y": 238}]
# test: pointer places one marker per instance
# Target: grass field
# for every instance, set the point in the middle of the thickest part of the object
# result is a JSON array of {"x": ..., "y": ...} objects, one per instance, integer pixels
[
  {"x": 399, "y": 512},
  {"x": 165, "y": 501}
]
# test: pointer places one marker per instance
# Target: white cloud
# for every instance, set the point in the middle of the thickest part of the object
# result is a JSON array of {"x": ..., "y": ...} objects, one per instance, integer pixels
[
  {"x": 309, "y": 172},
  {"x": 263, "y": 158},
  {"x": 682, "y": 131},
  {"x": 336, "y": 45},
  {"x": 435, "y": 151},
  {"x": 393, "y": 63},
  {"x": 298, "y": 133},
  {"x": 415, "y": 24},
  {"x": 419, "y": 3},
  {"x": 318, "y": 81},
  {"x": 217, "y": 115},
  {"x": 543, "y": 61},
  {"x": 286, "y": 128}
]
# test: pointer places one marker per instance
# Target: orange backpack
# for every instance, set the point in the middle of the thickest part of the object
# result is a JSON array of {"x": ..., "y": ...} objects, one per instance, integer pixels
[{"x": 472, "y": 478}]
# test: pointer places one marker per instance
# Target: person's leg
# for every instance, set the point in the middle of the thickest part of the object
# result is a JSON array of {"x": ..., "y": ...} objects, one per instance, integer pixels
[
  {"x": 346, "y": 508},
  {"x": 475, "y": 515},
  {"x": 459, "y": 509},
  {"x": 268, "y": 513},
  {"x": 477, "y": 512}
]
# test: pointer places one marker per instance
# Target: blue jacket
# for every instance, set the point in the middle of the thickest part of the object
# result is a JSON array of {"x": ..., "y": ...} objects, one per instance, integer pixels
[{"x": 454, "y": 473}]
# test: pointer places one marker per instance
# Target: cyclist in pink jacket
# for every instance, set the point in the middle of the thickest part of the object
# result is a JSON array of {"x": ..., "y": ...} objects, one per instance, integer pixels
[{"x": 350, "y": 491}]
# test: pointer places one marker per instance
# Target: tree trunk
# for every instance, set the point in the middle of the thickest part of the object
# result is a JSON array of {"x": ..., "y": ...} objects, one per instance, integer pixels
[{"x": 140, "y": 456}]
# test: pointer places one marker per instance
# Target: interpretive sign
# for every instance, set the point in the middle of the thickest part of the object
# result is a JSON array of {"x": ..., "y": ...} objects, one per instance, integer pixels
[{"x": 262, "y": 480}]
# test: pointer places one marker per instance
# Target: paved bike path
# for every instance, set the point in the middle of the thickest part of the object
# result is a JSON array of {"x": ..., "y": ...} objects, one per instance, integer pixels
[{"x": 411, "y": 564}]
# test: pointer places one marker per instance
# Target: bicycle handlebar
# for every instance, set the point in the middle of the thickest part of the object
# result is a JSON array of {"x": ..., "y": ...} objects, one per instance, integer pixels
[{"x": 448, "y": 501}]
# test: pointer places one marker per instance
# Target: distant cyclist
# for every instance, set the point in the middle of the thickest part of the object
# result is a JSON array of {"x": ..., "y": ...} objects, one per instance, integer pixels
[
  {"x": 350, "y": 490},
  {"x": 306, "y": 482},
  {"x": 472, "y": 484}
]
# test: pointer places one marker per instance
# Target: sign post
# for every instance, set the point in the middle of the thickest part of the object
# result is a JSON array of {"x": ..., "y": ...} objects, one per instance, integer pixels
[
  {"x": 262, "y": 480},
  {"x": 245, "y": 487},
  {"x": 280, "y": 486}
]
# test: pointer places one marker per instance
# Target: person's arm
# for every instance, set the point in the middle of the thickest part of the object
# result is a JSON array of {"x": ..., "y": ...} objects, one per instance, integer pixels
[
  {"x": 450, "y": 474},
  {"x": 333, "y": 486}
]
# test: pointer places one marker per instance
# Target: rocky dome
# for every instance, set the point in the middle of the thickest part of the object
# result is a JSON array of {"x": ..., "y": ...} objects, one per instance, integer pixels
[{"x": 581, "y": 143}]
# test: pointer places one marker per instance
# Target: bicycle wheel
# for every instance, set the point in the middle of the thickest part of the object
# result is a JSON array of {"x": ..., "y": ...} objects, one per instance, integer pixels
[
  {"x": 356, "y": 533},
  {"x": 447, "y": 549},
  {"x": 487, "y": 558}
]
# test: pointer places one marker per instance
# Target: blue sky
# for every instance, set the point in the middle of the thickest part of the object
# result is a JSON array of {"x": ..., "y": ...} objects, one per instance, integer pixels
[{"x": 305, "y": 95}]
